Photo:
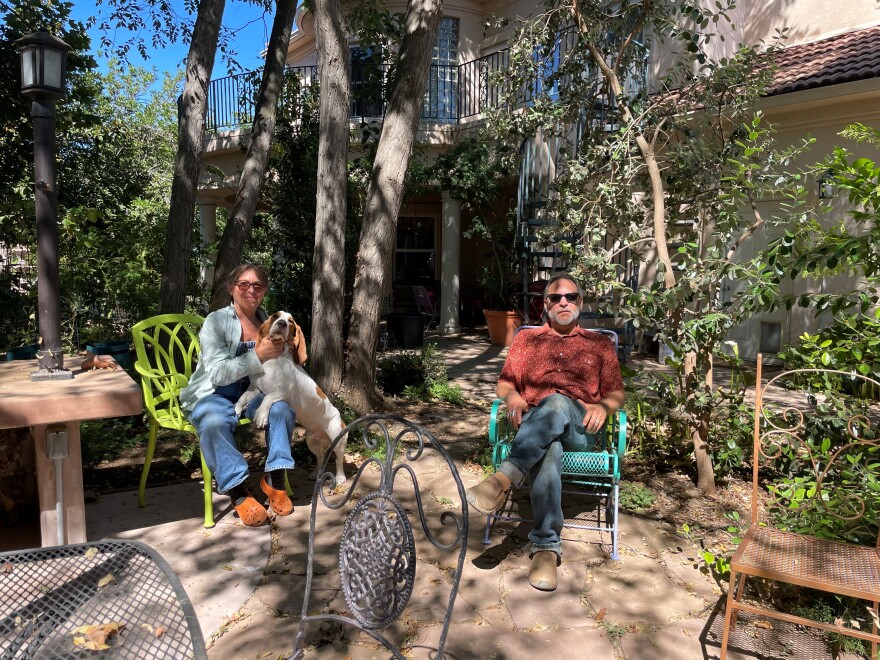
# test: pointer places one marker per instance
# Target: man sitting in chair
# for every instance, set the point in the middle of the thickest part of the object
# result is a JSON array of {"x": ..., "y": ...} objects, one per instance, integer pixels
[{"x": 560, "y": 383}]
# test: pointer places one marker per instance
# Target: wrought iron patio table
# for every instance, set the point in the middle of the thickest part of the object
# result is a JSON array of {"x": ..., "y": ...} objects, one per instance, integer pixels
[{"x": 123, "y": 588}]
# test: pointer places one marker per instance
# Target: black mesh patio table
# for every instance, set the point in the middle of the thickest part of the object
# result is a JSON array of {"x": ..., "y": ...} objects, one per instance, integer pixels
[{"x": 61, "y": 602}]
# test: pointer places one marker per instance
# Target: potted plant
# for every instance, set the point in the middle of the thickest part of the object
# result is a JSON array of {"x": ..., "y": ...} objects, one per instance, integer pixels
[
  {"x": 502, "y": 316},
  {"x": 104, "y": 337}
]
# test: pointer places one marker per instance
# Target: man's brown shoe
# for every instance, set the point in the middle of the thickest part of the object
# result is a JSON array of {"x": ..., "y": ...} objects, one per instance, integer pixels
[
  {"x": 487, "y": 495},
  {"x": 542, "y": 574}
]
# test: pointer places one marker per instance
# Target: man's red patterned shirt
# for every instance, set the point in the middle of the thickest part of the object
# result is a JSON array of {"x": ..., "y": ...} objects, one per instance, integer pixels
[{"x": 581, "y": 365}]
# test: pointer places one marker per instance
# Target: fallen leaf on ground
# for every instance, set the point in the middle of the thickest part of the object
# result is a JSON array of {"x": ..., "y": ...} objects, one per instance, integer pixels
[
  {"x": 107, "y": 579},
  {"x": 601, "y": 614},
  {"x": 94, "y": 638},
  {"x": 91, "y": 552}
]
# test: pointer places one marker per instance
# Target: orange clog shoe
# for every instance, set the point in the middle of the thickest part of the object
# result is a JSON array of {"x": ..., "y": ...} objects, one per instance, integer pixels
[
  {"x": 251, "y": 512},
  {"x": 278, "y": 499}
]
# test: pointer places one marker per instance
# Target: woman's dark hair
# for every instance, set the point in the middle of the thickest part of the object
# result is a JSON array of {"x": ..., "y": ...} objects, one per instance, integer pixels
[
  {"x": 562, "y": 276},
  {"x": 238, "y": 270}
]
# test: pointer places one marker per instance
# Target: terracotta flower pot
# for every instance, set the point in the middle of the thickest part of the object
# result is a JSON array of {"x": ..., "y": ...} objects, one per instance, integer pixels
[{"x": 502, "y": 326}]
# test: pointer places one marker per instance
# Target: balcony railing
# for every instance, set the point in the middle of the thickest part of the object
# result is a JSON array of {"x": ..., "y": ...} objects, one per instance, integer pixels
[{"x": 455, "y": 93}]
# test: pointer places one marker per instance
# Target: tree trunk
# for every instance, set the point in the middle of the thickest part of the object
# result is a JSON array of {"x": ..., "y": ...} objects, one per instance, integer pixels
[
  {"x": 328, "y": 260},
  {"x": 190, "y": 129},
  {"x": 699, "y": 427},
  {"x": 384, "y": 196},
  {"x": 241, "y": 218}
]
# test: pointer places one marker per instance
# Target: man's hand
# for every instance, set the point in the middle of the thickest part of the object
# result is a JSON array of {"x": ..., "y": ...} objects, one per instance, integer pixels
[
  {"x": 595, "y": 417},
  {"x": 269, "y": 347},
  {"x": 516, "y": 408}
]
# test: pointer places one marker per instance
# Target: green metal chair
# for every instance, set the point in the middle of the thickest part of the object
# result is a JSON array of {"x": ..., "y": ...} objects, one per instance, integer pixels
[
  {"x": 168, "y": 350},
  {"x": 595, "y": 473}
]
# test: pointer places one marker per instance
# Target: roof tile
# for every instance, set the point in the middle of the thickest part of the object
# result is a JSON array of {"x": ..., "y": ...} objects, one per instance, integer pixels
[{"x": 843, "y": 58}]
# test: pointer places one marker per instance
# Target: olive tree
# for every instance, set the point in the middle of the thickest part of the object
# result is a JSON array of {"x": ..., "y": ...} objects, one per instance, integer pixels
[{"x": 675, "y": 174}]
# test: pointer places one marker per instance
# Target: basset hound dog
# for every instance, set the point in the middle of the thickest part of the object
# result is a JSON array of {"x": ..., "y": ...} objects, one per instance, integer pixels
[{"x": 284, "y": 379}]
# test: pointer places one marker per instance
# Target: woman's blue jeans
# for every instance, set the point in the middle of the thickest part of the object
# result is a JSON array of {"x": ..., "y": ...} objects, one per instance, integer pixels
[
  {"x": 215, "y": 421},
  {"x": 553, "y": 426}
]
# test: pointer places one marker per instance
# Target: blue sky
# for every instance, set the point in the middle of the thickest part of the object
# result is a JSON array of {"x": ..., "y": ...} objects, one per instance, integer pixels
[{"x": 251, "y": 34}]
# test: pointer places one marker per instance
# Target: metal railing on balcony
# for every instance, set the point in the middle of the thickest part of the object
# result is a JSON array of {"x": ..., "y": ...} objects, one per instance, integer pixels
[{"x": 455, "y": 93}]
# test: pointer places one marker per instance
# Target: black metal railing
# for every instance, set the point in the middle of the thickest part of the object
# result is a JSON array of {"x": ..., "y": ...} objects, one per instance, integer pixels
[{"x": 455, "y": 93}]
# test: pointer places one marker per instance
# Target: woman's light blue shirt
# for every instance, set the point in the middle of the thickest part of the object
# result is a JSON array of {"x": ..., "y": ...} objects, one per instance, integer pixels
[{"x": 218, "y": 365}]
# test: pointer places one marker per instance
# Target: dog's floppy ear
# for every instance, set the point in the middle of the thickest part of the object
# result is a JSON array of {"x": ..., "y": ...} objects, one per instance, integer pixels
[{"x": 297, "y": 343}]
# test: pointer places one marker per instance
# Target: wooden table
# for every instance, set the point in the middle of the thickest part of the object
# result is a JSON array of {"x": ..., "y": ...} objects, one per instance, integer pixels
[{"x": 60, "y": 405}]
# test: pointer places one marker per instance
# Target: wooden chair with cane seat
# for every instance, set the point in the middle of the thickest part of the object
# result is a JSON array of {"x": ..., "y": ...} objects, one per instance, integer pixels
[
  {"x": 167, "y": 348},
  {"x": 840, "y": 473}
]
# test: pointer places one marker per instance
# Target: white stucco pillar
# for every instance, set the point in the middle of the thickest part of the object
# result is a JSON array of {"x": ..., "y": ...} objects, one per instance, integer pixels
[
  {"x": 208, "y": 231},
  {"x": 449, "y": 265}
]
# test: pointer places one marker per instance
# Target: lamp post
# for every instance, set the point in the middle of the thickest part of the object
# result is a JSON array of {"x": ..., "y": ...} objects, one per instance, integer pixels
[{"x": 43, "y": 64}]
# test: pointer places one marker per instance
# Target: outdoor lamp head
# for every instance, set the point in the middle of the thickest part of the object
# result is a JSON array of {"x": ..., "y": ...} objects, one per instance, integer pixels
[{"x": 43, "y": 65}]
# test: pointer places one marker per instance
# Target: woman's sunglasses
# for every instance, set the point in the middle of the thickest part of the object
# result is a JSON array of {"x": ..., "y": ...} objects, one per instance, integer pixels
[
  {"x": 555, "y": 298},
  {"x": 244, "y": 285}
]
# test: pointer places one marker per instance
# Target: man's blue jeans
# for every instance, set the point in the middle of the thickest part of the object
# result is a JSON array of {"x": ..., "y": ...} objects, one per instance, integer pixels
[
  {"x": 553, "y": 426},
  {"x": 215, "y": 420}
]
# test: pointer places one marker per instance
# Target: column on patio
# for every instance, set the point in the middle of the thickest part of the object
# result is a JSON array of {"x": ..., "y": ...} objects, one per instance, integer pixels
[
  {"x": 449, "y": 265},
  {"x": 208, "y": 230}
]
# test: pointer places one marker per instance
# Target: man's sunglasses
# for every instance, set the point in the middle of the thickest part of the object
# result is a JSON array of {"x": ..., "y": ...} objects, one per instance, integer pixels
[
  {"x": 244, "y": 285},
  {"x": 555, "y": 298}
]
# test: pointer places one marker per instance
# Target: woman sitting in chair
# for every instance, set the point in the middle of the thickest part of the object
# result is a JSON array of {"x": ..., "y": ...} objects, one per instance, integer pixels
[{"x": 231, "y": 352}]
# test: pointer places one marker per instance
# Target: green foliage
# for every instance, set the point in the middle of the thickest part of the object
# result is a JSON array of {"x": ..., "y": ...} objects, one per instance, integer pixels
[
  {"x": 187, "y": 453},
  {"x": 614, "y": 631},
  {"x": 419, "y": 375},
  {"x": 716, "y": 163},
  {"x": 115, "y": 207},
  {"x": 834, "y": 609},
  {"x": 660, "y": 426},
  {"x": 850, "y": 344},
  {"x": 107, "y": 439},
  {"x": 635, "y": 496},
  {"x": 849, "y": 246},
  {"x": 284, "y": 238},
  {"x": 476, "y": 172},
  {"x": 847, "y": 506}
]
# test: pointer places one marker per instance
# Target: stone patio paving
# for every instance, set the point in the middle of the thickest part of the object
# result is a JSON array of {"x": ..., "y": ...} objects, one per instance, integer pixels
[{"x": 247, "y": 584}]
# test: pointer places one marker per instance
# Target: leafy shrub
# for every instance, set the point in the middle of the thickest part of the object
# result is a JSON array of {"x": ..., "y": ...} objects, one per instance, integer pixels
[
  {"x": 851, "y": 344},
  {"x": 850, "y": 480},
  {"x": 660, "y": 430},
  {"x": 635, "y": 497},
  {"x": 831, "y": 608},
  {"x": 419, "y": 375}
]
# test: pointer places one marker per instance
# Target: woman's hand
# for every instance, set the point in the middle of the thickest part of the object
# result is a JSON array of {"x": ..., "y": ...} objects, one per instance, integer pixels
[{"x": 269, "y": 347}]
